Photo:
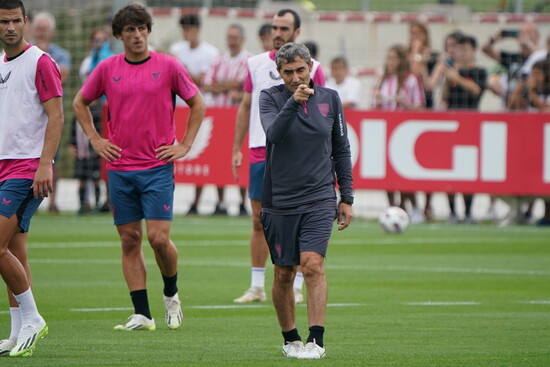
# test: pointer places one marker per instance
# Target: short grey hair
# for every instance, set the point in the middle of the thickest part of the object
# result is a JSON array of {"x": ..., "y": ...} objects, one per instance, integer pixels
[
  {"x": 289, "y": 52},
  {"x": 47, "y": 17}
]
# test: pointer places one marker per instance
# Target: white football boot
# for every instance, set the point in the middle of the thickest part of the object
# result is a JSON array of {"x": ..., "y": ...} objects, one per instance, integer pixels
[
  {"x": 173, "y": 314},
  {"x": 252, "y": 294},
  {"x": 293, "y": 349},
  {"x": 137, "y": 322}
]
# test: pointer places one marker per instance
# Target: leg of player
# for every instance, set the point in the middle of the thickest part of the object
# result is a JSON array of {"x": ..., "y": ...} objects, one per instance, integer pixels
[
  {"x": 258, "y": 254},
  {"x": 18, "y": 248},
  {"x": 33, "y": 326},
  {"x": 166, "y": 255},
  {"x": 283, "y": 300},
  {"x": 220, "y": 206},
  {"x": 133, "y": 267},
  {"x": 314, "y": 274}
]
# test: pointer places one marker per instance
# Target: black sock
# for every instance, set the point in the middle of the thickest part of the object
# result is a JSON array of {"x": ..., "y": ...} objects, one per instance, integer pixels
[
  {"x": 170, "y": 285},
  {"x": 316, "y": 335},
  {"x": 97, "y": 192},
  {"x": 141, "y": 303},
  {"x": 291, "y": 335},
  {"x": 468, "y": 199},
  {"x": 82, "y": 196}
]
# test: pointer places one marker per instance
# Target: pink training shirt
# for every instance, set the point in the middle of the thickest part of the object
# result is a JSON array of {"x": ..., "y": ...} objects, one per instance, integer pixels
[
  {"x": 141, "y": 100},
  {"x": 48, "y": 85}
]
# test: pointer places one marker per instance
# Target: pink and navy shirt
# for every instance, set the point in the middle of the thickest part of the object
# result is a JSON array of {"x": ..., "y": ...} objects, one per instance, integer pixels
[
  {"x": 47, "y": 85},
  {"x": 141, "y": 102}
]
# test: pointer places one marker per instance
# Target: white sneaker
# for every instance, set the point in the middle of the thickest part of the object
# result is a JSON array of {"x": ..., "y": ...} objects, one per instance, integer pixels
[
  {"x": 173, "y": 314},
  {"x": 6, "y": 345},
  {"x": 137, "y": 322},
  {"x": 252, "y": 294},
  {"x": 312, "y": 351},
  {"x": 293, "y": 349},
  {"x": 298, "y": 296},
  {"x": 417, "y": 217},
  {"x": 28, "y": 337}
]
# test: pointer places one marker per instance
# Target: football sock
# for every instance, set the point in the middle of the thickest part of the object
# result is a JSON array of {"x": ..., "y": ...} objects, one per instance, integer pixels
[
  {"x": 141, "y": 303},
  {"x": 170, "y": 285},
  {"x": 27, "y": 308},
  {"x": 299, "y": 281},
  {"x": 15, "y": 322},
  {"x": 82, "y": 196},
  {"x": 291, "y": 335},
  {"x": 97, "y": 192},
  {"x": 316, "y": 335},
  {"x": 258, "y": 277}
]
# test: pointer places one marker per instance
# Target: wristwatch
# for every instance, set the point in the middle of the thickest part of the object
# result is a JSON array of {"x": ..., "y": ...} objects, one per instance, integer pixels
[{"x": 346, "y": 199}]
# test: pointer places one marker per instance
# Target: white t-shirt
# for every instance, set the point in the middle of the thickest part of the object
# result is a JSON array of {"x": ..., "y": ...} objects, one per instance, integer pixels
[
  {"x": 532, "y": 60},
  {"x": 196, "y": 60},
  {"x": 348, "y": 91}
]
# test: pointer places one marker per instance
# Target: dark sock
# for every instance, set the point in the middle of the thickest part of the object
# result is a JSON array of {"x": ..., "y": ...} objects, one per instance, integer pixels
[
  {"x": 141, "y": 303},
  {"x": 468, "y": 199},
  {"x": 170, "y": 285},
  {"x": 316, "y": 335},
  {"x": 452, "y": 204},
  {"x": 291, "y": 335},
  {"x": 97, "y": 193},
  {"x": 82, "y": 196}
]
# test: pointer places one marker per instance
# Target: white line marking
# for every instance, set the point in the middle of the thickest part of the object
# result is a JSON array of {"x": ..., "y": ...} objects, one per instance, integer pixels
[
  {"x": 542, "y": 302},
  {"x": 419, "y": 269},
  {"x": 205, "y": 307},
  {"x": 430, "y": 303}
]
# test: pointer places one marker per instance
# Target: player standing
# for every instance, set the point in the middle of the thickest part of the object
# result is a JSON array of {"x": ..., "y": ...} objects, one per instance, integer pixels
[
  {"x": 140, "y": 86},
  {"x": 262, "y": 74},
  {"x": 31, "y": 124},
  {"x": 307, "y": 144}
]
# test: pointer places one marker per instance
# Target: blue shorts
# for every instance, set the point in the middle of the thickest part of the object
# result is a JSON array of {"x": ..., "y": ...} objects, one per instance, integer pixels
[
  {"x": 16, "y": 197},
  {"x": 256, "y": 180},
  {"x": 142, "y": 194}
]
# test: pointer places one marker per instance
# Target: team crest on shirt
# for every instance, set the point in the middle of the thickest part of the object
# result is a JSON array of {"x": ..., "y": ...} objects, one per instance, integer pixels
[
  {"x": 323, "y": 108},
  {"x": 117, "y": 79},
  {"x": 4, "y": 79},
  {"x": 155, "y": 75},
  {"x": 274, "y": 76}
]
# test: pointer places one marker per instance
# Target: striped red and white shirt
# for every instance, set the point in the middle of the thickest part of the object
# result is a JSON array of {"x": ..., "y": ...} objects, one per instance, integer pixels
[
  {"x": 387, "y": 90},
  {"x": 227, "y": 67}
]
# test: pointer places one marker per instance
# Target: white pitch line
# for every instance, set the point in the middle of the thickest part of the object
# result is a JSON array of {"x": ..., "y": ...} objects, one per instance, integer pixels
[
  {"x": 430, "y": 303},
  {"x": 420, "y": 269},
  {"x": 205, "y": 307},
  {"x": 542, "y": 302}
]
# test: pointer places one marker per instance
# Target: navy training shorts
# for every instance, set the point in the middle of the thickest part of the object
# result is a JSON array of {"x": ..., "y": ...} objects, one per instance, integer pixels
[{"x": 16, "y": 197}]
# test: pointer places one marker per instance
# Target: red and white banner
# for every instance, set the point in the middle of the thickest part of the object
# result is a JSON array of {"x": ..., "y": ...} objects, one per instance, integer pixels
[{"x": 504, "y": 153}]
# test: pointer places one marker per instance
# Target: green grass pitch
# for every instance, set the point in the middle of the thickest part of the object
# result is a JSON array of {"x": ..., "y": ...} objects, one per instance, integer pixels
[{"x": 437, "y": 295}]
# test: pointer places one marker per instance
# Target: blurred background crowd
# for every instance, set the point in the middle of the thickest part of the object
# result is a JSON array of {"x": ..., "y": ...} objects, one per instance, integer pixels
[{"x": 459, "y": 62}]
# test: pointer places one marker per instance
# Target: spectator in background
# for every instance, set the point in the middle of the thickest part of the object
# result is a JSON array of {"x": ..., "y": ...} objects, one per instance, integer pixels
[
  {"x": 465, "y": 83},
  {"x": 313, "y": 48},
  {"x": 197, "y": 56},
  {"x": 87, "y": 162},
  {"x": 437, "y": 76},
  {"x": 400, "y": 89},
  {"x": 43, "y": 31},
  {"x": 348, "y": 87},
  {"x": 224, "y": 80},
  {"x": 423, "y": 62},
  {"x": 264, "y": 35},
  {"x": 528, "y": 39}
]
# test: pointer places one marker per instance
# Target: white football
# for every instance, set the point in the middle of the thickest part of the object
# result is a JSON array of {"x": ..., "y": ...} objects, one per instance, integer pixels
[{"x": 394, "y": 220}]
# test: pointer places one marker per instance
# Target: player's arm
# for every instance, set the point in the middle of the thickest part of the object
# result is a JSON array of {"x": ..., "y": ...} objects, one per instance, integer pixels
[
  {"x": 196, "y": 114},
  {"x": 341, "y": 155},
  {"x": 102, "y": 146},
  {"x": 43, "y": 178},
  {"x": 241, "y": 129}
]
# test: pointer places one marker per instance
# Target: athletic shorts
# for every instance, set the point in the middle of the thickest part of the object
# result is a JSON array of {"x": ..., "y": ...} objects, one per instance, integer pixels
[
  {"x": 289, "y": 235},
  {"x": 16, "y": 197},
  {"x": 142, "y": 194},
  {"x": 256, "y": 180}
]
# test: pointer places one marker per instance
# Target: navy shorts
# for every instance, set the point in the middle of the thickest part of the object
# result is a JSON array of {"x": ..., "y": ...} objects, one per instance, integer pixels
[
  {"x": 289, "y": 235},
  {"x": 16, "y": 197},
  {"x": 256, "y": 180},
  {"x": 142, "y": 194}
]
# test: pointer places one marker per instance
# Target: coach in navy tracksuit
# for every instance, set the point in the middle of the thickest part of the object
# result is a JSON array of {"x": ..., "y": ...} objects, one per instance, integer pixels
[{"x": 306, "y": 145}]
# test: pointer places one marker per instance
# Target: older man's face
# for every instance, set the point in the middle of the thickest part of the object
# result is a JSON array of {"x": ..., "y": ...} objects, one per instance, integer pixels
[{"x": 295, "y": 73}]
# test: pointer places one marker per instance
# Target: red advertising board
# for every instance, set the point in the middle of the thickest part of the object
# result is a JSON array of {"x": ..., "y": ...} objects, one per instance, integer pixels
[{"x": 504, "y": 153}]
